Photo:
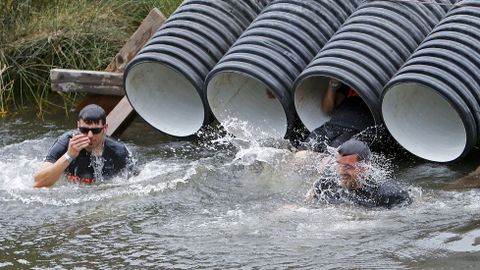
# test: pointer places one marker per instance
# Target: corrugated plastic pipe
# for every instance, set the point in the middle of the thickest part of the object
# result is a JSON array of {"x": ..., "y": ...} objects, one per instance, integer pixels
[
  {"x": 431, "y": 107},
  {"x": 365, "y": 54},
  {"x": 249, "y": 90},
  {"x": 164, "y": 82}
]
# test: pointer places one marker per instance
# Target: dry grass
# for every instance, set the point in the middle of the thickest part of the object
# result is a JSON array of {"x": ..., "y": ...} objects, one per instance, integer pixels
[{"x": 38, "y": 35}]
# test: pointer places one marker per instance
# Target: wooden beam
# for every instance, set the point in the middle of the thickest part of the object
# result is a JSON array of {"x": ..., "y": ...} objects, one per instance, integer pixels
[
  {"x": 122, "y": 114},
  {"x": 120, "y": 117},
  {"x": 145, "y": 31},
  {"x": 85, "y": 81}
]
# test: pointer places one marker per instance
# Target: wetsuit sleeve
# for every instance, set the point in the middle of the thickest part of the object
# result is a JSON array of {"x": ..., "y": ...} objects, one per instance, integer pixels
[
  {"x": 390, "y": 195},
  {"x": 58, "y": 148}
]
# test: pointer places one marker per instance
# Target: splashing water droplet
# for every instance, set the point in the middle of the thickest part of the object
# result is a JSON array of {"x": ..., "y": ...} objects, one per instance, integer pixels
[{"x": 97, "y": 162}]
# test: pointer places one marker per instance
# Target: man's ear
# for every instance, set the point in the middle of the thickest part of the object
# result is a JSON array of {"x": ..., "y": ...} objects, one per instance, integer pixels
[
  {"x": 78, "y": 124},
  {"x": 106, "y": 126}
]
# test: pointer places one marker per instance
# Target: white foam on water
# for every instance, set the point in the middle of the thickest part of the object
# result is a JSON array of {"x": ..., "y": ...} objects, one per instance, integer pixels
[
  {"x": 5, "y": 264},
  {"x": 70, "y": 194},
  {"x": 17, "y": 169}
]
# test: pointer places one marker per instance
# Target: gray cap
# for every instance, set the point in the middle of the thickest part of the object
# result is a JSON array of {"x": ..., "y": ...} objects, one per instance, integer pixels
[
  {"x": 93, "y": 113},
  {"x": 353, "y": 146}
]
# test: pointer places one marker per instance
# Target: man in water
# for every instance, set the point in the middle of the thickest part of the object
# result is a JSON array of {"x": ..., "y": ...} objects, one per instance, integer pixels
[
  {"x": 352, "y": 184},
  {"x": 86, "y": 154},
  {"x": 349, "y": 116}
]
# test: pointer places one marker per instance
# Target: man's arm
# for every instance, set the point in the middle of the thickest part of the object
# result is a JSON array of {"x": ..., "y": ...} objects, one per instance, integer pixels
[
  {"x": 332, "y": 97},
  {"x": 310, "y": 195},
  {"x": 50, "y": 172}
]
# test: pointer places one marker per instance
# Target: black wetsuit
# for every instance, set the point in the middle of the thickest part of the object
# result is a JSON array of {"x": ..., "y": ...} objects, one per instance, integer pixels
[
  {"x": 372, "y": 194},
  {"x": 351, "y": 117},
  {"x": 115, "y": 158}
]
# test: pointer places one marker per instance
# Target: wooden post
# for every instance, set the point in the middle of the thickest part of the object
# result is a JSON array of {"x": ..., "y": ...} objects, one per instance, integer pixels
[
  {"x": 120, "y": 113},
  {"x": 86, "y": 81}
]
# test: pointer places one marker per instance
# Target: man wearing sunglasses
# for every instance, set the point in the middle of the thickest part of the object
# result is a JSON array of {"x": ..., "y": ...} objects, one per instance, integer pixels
[
  {"x": 86, "y": 154},
  {"x": 351, "y": 184}
]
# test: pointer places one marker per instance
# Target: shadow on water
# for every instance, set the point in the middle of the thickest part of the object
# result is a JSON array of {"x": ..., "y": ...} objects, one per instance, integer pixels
[{"x": 220, "y": 202}]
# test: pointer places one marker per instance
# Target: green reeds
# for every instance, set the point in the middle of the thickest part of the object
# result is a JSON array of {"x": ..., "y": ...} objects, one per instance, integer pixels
[{"x": 38, "y": 35}]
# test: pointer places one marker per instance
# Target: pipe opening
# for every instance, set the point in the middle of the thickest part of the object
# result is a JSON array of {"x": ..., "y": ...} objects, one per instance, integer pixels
[
  {"x": 308, "y": 101},
  {"x": 246, "y": 107},
  {"x": 165, "y": 99},
  {"x": 424, "y": 122}
]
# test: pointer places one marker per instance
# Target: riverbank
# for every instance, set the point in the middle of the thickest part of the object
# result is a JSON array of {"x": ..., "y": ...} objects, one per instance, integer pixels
[{"x": 40, "y": 35}]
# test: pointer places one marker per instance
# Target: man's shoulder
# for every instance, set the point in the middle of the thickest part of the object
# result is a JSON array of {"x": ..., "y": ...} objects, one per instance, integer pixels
[
  {"x": 389, "y": 186},
  {"x": 66, "y": 136},
  {"x": 392, "y": 194},
  {"x": 115, "y": 146}
]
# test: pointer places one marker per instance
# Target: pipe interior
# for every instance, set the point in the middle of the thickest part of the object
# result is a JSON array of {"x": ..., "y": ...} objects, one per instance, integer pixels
[
  {"x": 165, "y": 99},
  {"x": 246, "y": 107},
  {"x": 308, "y": 101},
  {"x": 424, "y": 122}
]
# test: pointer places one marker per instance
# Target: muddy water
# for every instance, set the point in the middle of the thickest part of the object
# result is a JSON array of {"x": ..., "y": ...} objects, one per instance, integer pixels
[{"x": 222, "y": 204}]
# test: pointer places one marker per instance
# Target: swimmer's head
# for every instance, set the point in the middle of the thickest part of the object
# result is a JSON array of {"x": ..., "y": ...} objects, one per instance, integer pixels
[
  {"x": 352, "y": 147},
  {"x": 93, "y": 114},
  {"x": 350, "y": 154}
]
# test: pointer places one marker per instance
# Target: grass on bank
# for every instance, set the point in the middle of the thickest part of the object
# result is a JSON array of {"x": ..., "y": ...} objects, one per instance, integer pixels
[{"x": 38, "y": 35}]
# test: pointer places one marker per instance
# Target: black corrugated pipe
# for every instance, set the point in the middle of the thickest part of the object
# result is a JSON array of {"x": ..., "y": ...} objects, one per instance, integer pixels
[
  {"x": 431, "y": 106},
  {"x": 365, "y": 54},
  {"x": 249, "y": 91},
  {"x": 164, "y": 82}
]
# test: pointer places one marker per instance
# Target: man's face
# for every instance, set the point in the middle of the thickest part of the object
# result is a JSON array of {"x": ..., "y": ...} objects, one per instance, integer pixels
[
  {"x": 89, "y": 130},
  {"x": 349, "y": 169}
]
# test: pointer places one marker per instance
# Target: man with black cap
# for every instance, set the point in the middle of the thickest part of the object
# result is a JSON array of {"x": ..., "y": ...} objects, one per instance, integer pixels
[
  {"x": 353, "y": 185},
  {"x": 86, "y": 154}
]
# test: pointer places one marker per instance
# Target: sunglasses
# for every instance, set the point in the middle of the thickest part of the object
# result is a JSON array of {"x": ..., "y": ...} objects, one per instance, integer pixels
[{"x": 85, "y": 130}]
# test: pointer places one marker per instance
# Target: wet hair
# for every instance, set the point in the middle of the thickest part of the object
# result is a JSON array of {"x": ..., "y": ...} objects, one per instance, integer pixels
[
  {"x": 92, "y": 114},
  {"x": 353, "y": 146}
]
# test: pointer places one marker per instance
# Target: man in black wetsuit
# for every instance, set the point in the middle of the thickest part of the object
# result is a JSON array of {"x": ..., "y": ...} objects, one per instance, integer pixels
[
  {"x": 352, "y": 186},
  {"x": 86, "y": 154},
  {"x": 349, "y": 116}
]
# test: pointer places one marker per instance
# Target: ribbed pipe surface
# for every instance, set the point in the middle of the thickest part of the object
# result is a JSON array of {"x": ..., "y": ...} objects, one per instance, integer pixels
[
  {"x": 365, "y": 54},
  {"x": 164, "y": 82},
  {"x": 249, "y": 90},
  {"x": 431, "y": 107}
]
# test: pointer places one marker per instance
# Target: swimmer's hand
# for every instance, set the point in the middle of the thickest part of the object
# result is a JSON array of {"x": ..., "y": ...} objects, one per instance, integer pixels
[
  {"x": 309, "y": 197},
  {"x": 76, "y": 144},
  {"x": 334, "y": 84}
]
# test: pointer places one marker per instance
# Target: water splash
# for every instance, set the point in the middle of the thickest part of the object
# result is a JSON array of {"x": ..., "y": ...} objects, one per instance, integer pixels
[
  {"x": 97, "y": 163},
  {"x": 245, "y": 131}
]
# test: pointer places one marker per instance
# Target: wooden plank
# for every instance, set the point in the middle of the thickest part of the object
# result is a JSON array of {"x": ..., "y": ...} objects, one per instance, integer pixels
[
  {"x": 120, "y": 116},
  {"x": 123, "y": 114},
  {"x": 149, "y": 26},
  {"x": 95, "y": 82}
]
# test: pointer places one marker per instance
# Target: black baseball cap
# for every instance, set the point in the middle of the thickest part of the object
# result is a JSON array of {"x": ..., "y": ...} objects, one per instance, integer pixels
[
  {"x": 92, "y": 113},
  {"x": 353, "y": 146}
]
